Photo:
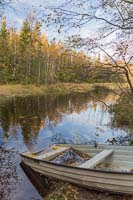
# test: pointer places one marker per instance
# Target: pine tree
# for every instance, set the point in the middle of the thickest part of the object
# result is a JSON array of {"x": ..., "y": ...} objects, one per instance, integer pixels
[
  {"x": 25, "y": 50},
  {"x": 37, "y": 45},
  {"x": 25, "y": 36},
  {"x": 4, "y": 50},
  {"x": 14, "y": 53}
]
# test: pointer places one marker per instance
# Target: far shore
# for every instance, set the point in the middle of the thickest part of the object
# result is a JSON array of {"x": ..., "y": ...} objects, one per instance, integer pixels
[{"x": 11, "y": 90}]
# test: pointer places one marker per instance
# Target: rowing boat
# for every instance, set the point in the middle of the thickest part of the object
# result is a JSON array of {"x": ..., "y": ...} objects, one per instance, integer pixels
[{"x": 109, "y": 168}]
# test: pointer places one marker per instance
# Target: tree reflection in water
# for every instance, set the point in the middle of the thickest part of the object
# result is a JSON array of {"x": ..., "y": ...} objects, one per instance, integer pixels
[{"x": 27, "y": 116}]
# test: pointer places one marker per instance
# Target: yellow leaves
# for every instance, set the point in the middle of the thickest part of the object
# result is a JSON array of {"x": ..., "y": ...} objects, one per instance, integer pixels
[
  {"x": 55, "y": 147},
  {"x": 30, "y": 155},
  {"x": 44, "y": 40},
  {"x": 64, "y": 191},
  {"x": 33, "y": 155},
  {"x": 3, "y": 65}
]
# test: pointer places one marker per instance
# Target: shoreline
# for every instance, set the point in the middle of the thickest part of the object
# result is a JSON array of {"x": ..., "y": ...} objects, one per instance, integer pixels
[{"x": 11, "y": 90}]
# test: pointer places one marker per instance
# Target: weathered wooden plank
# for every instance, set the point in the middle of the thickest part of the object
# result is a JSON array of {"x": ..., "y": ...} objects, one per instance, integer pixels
[
  {"x": 96, "y": 159},
  {"x": 52, "y": 154},
  {"x": 100, "y": 146},
  {"x": 116, "y": 152}
]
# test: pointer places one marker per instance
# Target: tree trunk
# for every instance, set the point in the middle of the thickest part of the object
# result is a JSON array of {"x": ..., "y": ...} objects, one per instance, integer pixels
[{"x": 39, "y": 71}]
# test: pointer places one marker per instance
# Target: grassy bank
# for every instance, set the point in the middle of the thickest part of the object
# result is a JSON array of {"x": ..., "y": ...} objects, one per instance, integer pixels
[{"x": 25, "y": 90}]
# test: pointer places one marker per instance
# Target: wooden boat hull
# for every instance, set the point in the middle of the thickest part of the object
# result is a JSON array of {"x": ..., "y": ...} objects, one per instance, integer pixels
[{"x": 112, "y": 181}]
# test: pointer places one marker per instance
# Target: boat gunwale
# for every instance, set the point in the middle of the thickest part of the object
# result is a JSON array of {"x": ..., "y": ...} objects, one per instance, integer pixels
[
  {"x": 99, "y": 147},
  {"x": 74, "y": 167}
]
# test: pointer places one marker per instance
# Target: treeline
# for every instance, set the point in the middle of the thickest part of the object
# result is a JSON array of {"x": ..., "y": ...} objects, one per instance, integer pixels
[{"x": 26, "y": 56}]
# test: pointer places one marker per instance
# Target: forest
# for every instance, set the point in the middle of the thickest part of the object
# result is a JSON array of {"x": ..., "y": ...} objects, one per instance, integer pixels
[{"x": 27, "y": 57}]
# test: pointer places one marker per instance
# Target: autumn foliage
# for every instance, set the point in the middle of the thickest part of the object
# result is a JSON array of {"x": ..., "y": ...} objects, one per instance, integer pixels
[{"x": 27, "y": 57}]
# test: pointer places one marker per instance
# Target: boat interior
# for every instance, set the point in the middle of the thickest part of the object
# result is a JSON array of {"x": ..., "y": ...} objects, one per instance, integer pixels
[{"x": 104, "y": 157}]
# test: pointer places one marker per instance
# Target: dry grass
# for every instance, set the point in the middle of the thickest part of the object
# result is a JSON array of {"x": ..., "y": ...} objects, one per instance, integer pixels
[
  {"x": 25, "y": 90},
  {"x": 20, "y": 90},
  {"x": 78, "y": 87}
]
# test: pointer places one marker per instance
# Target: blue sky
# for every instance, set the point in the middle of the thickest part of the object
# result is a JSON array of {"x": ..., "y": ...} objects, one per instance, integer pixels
[{"x": 21, "y": 9}]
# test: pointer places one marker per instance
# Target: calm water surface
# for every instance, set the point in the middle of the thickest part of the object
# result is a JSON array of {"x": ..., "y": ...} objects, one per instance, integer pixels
[{"x": 36, "y": 122}]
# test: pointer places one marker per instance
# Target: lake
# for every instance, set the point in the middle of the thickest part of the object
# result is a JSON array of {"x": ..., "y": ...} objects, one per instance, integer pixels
[{"x": 34, "y": 123}]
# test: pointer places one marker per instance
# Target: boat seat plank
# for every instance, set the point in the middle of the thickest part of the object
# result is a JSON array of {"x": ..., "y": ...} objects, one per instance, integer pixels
[
  {"x": 96, "y": 159},
  {"x": 55, "y": 152}
]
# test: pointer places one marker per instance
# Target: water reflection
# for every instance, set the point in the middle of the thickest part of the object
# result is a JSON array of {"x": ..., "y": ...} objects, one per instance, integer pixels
[
  {"x": 42, "y": 120},
  {"x": 36, "y": 122}
]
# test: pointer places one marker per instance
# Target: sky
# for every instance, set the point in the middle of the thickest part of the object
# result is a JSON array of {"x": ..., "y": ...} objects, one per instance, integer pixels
[{"x": 21, "y": 8}]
